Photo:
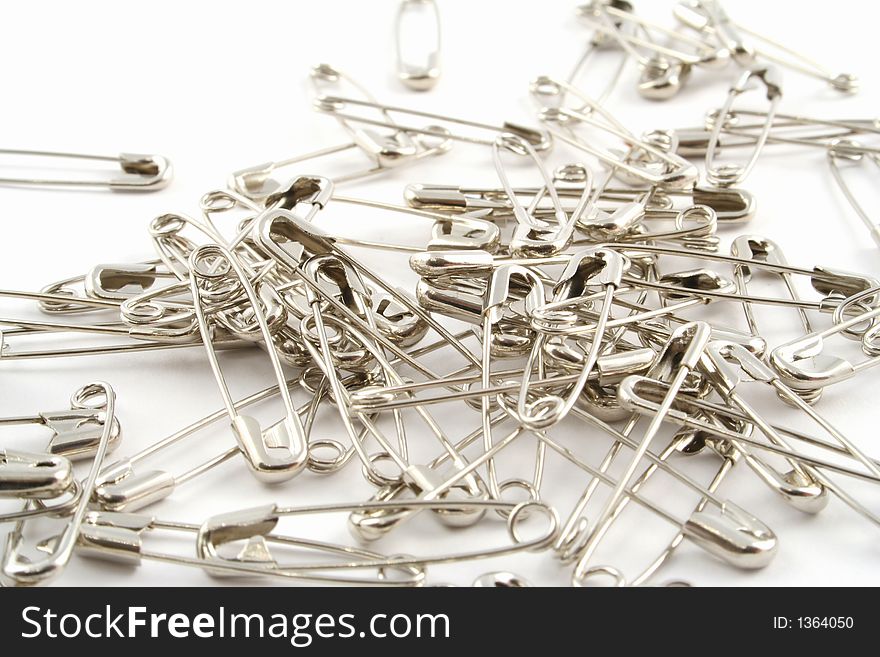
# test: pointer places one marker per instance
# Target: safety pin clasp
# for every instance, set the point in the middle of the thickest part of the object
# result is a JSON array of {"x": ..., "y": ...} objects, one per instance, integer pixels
[
  {"x": 34, "y": 476},
  {"x": 273, "y": 455},
  {"x": 734, "y": 535},
  {"x": 122, "y": 488}
]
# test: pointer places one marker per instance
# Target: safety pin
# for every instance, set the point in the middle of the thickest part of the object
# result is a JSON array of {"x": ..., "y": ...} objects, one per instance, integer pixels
[
  {"x": 121, "y": 487},
  {"x": 77, "y": 433},
  {"x": 708, "y": 17},
  {"x": 664, "y": 169},
  {"x": 727, "y": 175},
  {"x": 496, "y": 300},
  {"x": 835, "y": 284},
  {"x": 609, "y": 368},
  {"x": 102, "y": 289},
  {"x": 256, "y": 182},
  {"x": 423, "y": 74},
  {"x": 597, "y": 42},
  {"x": 730, "y": 205},
  {"x": 640, "y": 394},
  {"x": 755, "y": 247},
  {"x": 335, "y": 106},
  {"x": 144, "y": 173},
  {"x": 119, "y": 537},
  {"x": 786, "y": 129},
  {"x": 387, "y": 149},
  {"x": 140, "y": 346},
  {"x": 850, "y": 151},
  {"x": 20, "y": 570},
  {"x": 592, "y": 267},
  {"x": 279, "y": 452}
]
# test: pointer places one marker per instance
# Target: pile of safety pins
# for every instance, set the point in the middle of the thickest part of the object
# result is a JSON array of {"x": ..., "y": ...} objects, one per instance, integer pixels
[{"x": 576, "y": 297}]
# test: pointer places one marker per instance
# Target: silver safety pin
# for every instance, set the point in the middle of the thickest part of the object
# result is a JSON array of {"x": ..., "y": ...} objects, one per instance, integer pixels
[
  {"x": 708, "y": 17},
  {"x": 336, "y": 106},
  {"x": 143, "y": 173},
  {"x": 727, "y": 174},
  {"x": 119, "y": 537},
  {"x": 848, "y": 151},
  {"x": 279, "y": 452},
  {"x": 419, "y": 74}
]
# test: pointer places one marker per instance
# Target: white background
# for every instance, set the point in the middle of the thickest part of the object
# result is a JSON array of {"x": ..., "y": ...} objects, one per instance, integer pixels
[{"x": 219, "y": 85}]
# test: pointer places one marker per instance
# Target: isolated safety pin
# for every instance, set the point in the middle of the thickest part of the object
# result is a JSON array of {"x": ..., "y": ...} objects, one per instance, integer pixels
[
  {"x": 279, "y": 452},
  {"x": 20, "y": 569},
  {"x": 708, "y": 17},
  {"x": 144, "y": 173},
  {"x": 849, "y": 151},
  {"x": 422, "y": 73},
  {"x": 730, "y": 174}
]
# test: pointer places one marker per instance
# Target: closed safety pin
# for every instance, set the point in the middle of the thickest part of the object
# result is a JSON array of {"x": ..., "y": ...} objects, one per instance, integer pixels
[
  {"x": 846, "y": 150},
  {"x": 708, "y": 17},
  {"x": 423, "y": 73},
  {"x": 497, "y": 298},
  {"x": 144, "y": 173},
  {"x": 121, "y": 487},
  {"x": 279, "y": 452},
  {"x": 727, "y": 174},
  {"x": 335, "y": 106},
  {"x": 19, "y": 569},
  {"x": 119, "y": 537},
  {"x": 755, "y": 247}
]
